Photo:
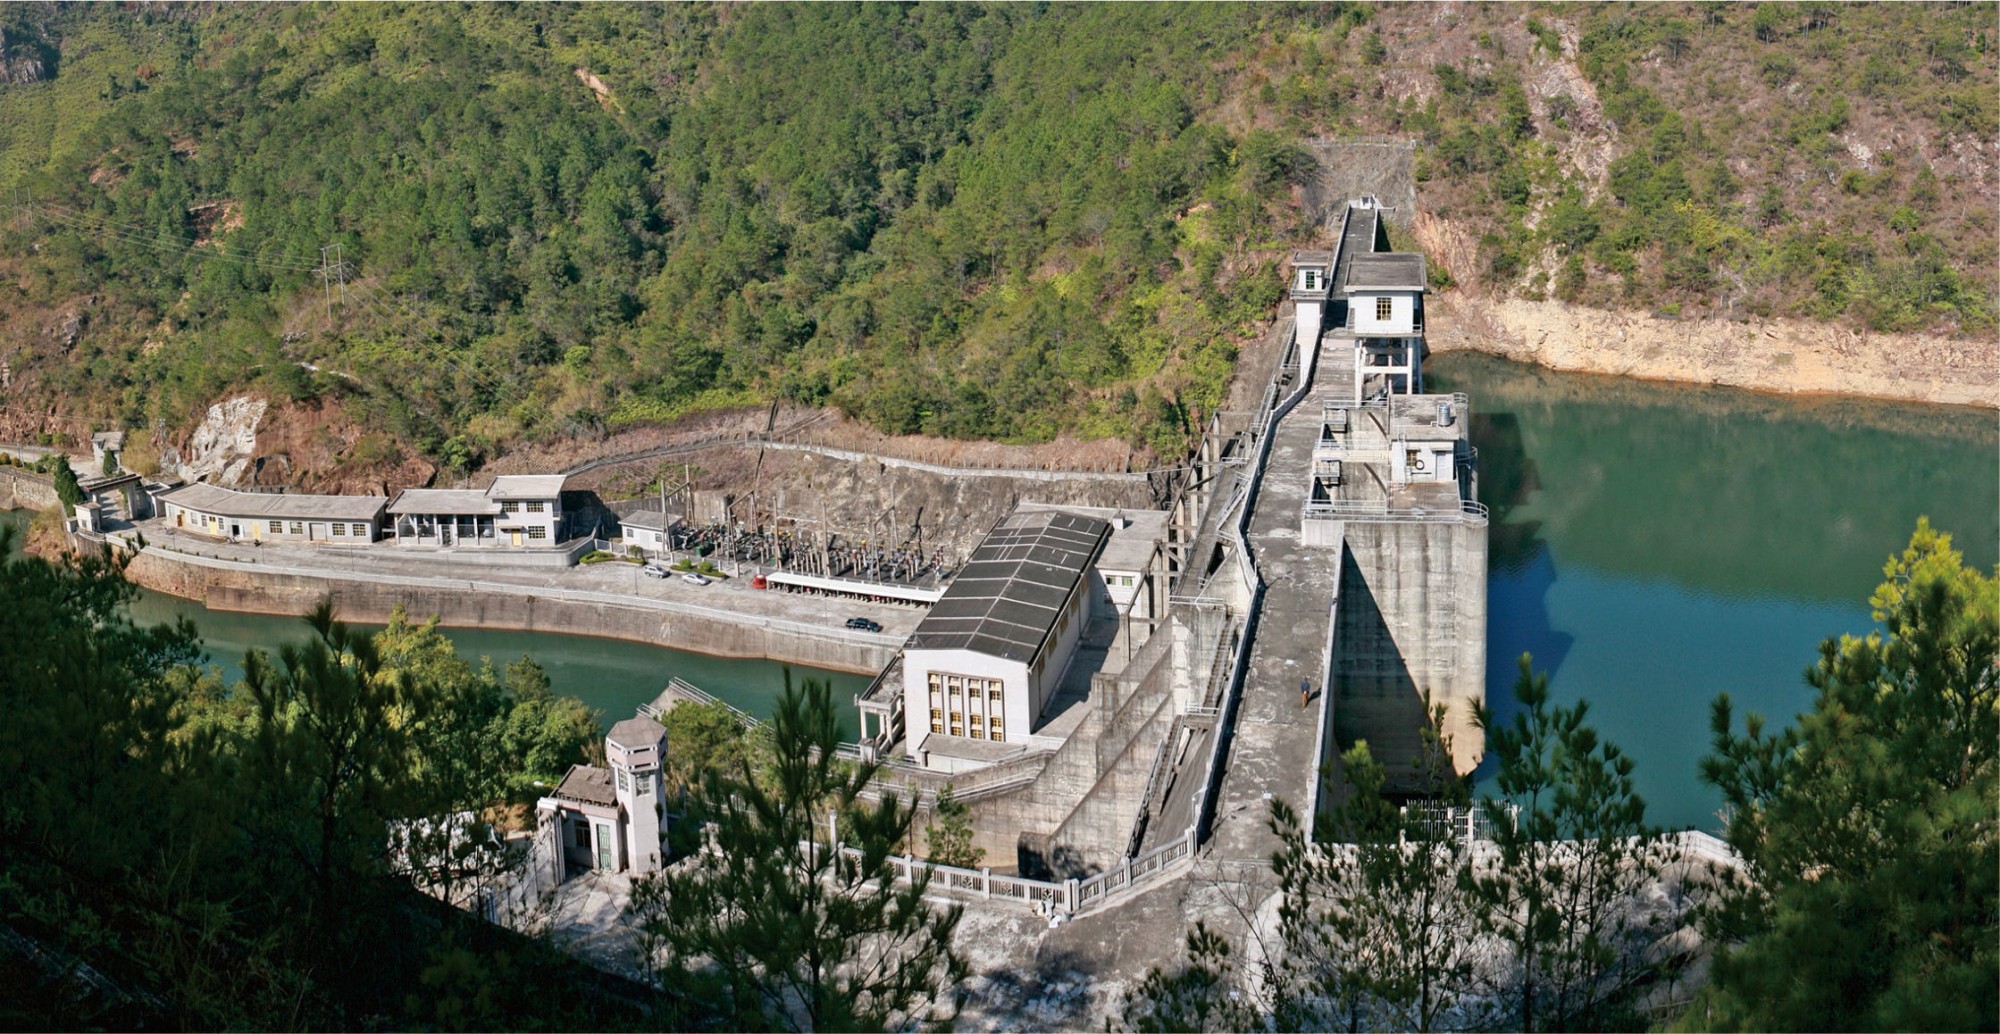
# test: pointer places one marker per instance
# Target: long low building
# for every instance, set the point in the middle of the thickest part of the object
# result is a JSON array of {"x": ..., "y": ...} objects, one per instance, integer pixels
[{"x": 272, "y": 516}]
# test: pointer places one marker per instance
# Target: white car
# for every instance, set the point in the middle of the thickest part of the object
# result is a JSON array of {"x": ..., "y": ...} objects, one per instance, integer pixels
[
  {"x": 653, "y": 571},
  {"x": 694, "y": 579}
]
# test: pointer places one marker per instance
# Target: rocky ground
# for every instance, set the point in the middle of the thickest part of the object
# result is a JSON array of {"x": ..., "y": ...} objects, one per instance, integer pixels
[{"x": 1783, "y": 356}]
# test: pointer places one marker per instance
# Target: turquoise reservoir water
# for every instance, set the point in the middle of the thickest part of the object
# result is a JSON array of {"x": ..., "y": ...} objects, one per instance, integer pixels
[
  {"x": 611, "y": 675},
  {"x": 1656, "y": 545},
  {"x": 1653, "y": 546}
]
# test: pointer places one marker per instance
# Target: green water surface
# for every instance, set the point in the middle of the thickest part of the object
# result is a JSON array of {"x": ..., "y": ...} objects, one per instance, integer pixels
[
  {"x": 611, "y": 675},
  {"x": 1652, "y": 546},
  {"x": 1656, "y": 545}
]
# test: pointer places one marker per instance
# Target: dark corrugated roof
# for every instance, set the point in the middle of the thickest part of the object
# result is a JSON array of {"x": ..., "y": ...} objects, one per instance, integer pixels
[{"x": 1005, "y": 600}]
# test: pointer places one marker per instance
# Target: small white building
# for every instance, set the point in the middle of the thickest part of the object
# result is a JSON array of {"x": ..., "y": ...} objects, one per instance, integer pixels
[
  {"x": 106, "y": 443},
  {"x": 609, "y": 818},
  {"x": 648, "y": 529},
  {"x": 980, "y": 668},
  {"x": 516, "y": 510},
  {"x": 1385, "y": 313},
  {"x": 272, "y": 516},
  {"x": 1312, "y": 290}
]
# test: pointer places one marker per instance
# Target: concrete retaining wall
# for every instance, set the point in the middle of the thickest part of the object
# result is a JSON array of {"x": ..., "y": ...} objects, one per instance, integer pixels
[
  {"x": 1407, "y": 592},
  {"x": 223, "y": 585},
  {"x": 25, "y": 490}
]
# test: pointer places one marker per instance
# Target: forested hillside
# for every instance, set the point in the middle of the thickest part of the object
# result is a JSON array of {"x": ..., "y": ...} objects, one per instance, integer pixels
[{"x": 463, "y": 227}]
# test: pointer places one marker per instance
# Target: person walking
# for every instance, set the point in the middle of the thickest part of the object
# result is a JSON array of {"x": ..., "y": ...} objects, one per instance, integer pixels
[{"x": 1305, "y": 692}]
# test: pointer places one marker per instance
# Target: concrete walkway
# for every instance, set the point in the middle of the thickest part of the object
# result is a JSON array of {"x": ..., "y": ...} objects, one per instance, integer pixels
[{"x": 1274, "y": 751}]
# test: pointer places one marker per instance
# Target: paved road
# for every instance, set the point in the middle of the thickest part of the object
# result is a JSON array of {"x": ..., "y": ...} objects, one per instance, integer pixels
[{"x": 382, "y": 558}]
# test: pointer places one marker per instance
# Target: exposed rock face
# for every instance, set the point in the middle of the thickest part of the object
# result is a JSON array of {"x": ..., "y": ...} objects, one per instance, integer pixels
[
  {"x": 24, "y": 59},
  {"x": 223, "y": 447},
  {"x": 1780, "y": 355}
]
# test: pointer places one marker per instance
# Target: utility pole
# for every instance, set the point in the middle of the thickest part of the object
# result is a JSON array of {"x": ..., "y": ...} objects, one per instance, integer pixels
[{"x": 325, "y": 285}]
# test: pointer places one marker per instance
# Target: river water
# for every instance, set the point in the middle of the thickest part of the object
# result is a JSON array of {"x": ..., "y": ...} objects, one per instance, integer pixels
[
  {"x": 611, "y": 675},
  {"x": 1652, "y": 546},
  {"x": 1656, "y": 545}
]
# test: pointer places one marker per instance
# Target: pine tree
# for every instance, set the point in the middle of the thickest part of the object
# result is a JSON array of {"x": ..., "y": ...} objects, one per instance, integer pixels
[
  {"x": 1574, "y": 855},
  {"x": 950, "y": 833},
  {"x": 1870, "y": 826},
  {"x": 783, "y": 927},
  {"x": 1377, "y": 929}
]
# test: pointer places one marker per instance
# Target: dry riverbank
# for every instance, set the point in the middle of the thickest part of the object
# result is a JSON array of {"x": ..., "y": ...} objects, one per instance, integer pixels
[{"x": 1778, "y": 355}]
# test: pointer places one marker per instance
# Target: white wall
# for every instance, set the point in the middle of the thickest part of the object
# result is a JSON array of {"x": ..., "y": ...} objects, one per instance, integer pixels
[
  {"x": 1402, "y": 319},
  {"x": 1017, "y": 698}
]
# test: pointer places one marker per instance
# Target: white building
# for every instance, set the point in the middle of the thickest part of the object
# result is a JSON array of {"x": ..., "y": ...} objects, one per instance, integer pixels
[
  {"x": 1132, "y": 568},
  {"x": 1385, "y": 309},
  {"x": 982, "y": 665},
  {"x": 648, "y": 529},
  {"x": 609, "y": 818},
  {"x": 271, "y": 516},
  {"x": 516, "y": 510}
]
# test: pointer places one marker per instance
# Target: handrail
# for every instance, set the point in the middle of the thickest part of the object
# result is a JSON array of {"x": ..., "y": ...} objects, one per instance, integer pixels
[{"x": 1468, "y": 511}]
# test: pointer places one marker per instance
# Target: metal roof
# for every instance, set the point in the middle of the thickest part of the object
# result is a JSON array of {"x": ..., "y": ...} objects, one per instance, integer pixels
[
  {"x": 527, "y": 486},
  {"x": 454, "y": 501},
  {"x": 1005, "y": 600},
  {"x": 271, "y": 505},
  {"x": 1386, "y": 271}
]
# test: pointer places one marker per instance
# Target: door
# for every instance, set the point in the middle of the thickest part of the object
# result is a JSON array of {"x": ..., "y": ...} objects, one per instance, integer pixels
[
  {"x": 514, "y": 537},
  {"x": 605, "y": 847},
  {"x": 180, "y": 518}
]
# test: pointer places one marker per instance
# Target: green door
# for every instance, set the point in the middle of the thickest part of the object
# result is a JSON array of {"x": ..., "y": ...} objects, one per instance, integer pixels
[{"x": 605, "y": 846}]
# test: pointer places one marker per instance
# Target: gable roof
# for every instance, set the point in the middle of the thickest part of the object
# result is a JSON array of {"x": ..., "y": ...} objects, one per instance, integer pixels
[{"x": 274, "y": 505}]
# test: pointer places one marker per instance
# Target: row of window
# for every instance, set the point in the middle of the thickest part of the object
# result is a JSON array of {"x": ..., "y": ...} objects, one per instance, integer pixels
[
  {"x": 359, "y": 529},
  {"x": 514, "y": 506},
  {"x": 1122, "y": 580},
  {"x": 967, "y": 705}
]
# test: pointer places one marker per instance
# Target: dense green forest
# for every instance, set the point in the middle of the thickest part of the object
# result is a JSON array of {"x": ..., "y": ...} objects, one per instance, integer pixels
[{"x": 488, "y": 223}]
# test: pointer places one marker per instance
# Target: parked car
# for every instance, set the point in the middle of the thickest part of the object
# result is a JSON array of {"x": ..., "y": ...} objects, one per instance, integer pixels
[
  {"x": 653, "y": 571},
  {"x": 864, "y": 625},
  {"x": 693, "y": 578}
]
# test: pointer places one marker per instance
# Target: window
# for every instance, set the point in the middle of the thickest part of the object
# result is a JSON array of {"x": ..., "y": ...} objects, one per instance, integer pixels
[
  {"x": 361, "y": 530},
  {"x": 1383, "y": 308},
  {"x": 537, "y": 506},
  {"x": 298, "y": 528},
  {"x": 999, "y": 734},
  {"x": 538, "y": 533},
  {"x": 276, "y": 527},
  {"x": 624, "y": 781},
  {"x": 1312, "y": 279},
  {"x": 340, "y": 529},
  {"x": 582, "y": 835},
  {"x": 510, "y": 506},
  {"x": 937, "y": 720},
  {"x": 977, "y": 732},
  {"x": 645, "y": 785}
]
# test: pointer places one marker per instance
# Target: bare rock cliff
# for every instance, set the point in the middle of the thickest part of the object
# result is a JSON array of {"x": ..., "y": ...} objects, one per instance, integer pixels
[{"x": 1776, "y": 355}]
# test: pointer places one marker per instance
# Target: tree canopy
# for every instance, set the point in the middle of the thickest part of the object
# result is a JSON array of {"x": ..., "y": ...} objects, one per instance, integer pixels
[{"x": 1872, "y": 825}]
